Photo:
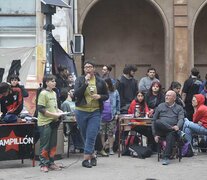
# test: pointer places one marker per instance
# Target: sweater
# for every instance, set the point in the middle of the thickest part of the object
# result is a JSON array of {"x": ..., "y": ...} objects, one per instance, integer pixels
[{"x": 172, "y": 115}]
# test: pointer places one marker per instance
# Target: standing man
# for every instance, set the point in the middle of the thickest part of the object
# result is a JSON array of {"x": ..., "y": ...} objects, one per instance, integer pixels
[
  {"x": 167, "y": 122},
  {"x": 90, "y": 92},
  {"x": 61, "y": 82},
  {"x": 127, "y": 87},
  {"x": 190, "y": 88},
  {"x": 146, "y": 82}
]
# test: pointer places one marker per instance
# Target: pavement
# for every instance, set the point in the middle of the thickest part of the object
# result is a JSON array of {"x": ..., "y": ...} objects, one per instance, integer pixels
[{"x": 112, "y": 167}]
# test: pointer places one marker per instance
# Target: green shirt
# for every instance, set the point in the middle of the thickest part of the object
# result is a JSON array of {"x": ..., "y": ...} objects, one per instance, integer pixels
[{"x": 47, "y": 99}]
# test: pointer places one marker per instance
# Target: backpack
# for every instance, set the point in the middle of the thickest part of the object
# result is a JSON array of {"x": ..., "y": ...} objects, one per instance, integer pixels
[
  {"x": 187, "y": 150},
  {"x": 106, "y": 115},
  {"x": 141, "y": 152}
]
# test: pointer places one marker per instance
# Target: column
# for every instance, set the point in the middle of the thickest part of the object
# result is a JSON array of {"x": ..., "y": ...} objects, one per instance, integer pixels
[{"x": 182, "y": 65}]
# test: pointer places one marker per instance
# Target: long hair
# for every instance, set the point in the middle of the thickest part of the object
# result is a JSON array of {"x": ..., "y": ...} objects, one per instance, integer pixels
[
  {"x": 110, "y": 84},
  {"x": 142, "y": 104},
  {"x": 159, "y": 85},
  {"x": 174, "y": 84}
]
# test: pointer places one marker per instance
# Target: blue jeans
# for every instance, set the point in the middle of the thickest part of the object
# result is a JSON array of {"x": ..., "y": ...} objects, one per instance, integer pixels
[
  {"x": 190, "y": 128},
  {"x": 89, "y": 124}
]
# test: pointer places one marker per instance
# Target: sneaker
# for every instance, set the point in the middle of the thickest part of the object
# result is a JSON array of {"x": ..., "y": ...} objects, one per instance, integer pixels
[
  {"x": 44, "y": 169},
  {"x": 55, "y": 167},
  {"x": 111, "y": 152},
  {"x": 103, "y": 153},
  {"x": 165, "y": 161},
  {"x": 181, "y": 134},
  {"x": 94, "y": 161},
  {"x": 86, "y": 164}
]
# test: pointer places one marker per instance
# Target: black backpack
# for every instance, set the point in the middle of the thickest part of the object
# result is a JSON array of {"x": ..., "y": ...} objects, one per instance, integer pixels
[{"x": 141, "y": 152}]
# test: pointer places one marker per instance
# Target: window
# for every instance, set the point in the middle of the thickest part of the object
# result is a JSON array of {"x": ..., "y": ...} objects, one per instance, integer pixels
[{"x": 18, "y": 26}]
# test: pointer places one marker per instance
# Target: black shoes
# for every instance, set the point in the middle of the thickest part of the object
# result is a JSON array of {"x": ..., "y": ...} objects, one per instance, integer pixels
[
  {"x": 94, "y": 161},
  {"x": 87, "y": 164}
]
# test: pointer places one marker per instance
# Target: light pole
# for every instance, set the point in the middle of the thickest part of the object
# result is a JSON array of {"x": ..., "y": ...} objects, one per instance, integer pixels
[{"x": 48, "y": 7}]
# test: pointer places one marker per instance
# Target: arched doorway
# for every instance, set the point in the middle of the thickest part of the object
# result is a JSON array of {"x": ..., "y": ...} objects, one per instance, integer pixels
[
  {"x": 200, "y": 43},
  {"x": 123, "y": 32}
]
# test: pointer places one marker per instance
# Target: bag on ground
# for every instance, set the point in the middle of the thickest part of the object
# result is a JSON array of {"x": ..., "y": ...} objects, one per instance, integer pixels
[
  {"x": 141, "y": 152},
  {"x": 187, "y": 150}
]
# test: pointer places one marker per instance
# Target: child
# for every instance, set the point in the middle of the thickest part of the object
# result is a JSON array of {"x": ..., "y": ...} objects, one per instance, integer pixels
[
  {"x": 48, "y": 114},
  {"x": 108, "y": 128},
  {"x": 69, "y": 106},
  {"x": 15, "y": 82},
  {"x": 204, "y": 92},
  {"x": 11, "y": 103}
]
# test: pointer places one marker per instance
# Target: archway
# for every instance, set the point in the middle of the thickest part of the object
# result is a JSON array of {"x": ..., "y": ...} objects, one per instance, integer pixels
[
  {"x": 200, "y": 44},
  {"x": 123, "y": 32}
]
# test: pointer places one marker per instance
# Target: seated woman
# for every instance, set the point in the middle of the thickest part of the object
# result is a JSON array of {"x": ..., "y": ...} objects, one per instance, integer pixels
[
  {"x": 154, "y": 97},
  {"x": 176, "y": 86},
  {"x": 139, "y": 102},
  {"x": 199, "y": 124}
]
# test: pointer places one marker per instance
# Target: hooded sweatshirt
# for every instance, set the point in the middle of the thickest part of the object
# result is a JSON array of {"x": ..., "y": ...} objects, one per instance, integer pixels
[{"x": 201, "y": 111}]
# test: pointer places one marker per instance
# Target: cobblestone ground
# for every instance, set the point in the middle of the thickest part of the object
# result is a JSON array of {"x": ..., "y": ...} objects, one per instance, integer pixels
[{"x": 114, "y": 168}]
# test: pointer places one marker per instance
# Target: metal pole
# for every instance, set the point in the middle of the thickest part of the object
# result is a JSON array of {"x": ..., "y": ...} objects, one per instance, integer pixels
[{"x": 49, "y": 27}]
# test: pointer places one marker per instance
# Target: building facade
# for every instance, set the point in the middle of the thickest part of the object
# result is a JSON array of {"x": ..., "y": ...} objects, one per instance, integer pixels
[
  {"x": 166, "y": 34},
  {"x": 169, "y": 35}
]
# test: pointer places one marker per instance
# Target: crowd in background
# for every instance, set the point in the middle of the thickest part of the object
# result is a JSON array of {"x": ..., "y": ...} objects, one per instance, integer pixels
[{"x": 96, "y": 100}]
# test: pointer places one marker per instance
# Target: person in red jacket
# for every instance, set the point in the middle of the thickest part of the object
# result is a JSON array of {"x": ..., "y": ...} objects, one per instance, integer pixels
[
  {"x": 143, "y": 110},
  {"x": 199, "y": 124}
]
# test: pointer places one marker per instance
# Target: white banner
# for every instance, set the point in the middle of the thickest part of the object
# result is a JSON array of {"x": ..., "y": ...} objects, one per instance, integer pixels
[{"x": 7, "y": 55}]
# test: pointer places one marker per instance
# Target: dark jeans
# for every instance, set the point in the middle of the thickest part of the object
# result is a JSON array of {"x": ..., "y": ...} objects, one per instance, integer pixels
[
  {"x": 189, "y": 111},
  {"x": 163, "y": 129}
]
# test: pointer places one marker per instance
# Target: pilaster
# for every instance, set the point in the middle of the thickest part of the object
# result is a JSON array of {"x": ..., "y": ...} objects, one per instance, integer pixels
[{"x": 181, "y": 46}]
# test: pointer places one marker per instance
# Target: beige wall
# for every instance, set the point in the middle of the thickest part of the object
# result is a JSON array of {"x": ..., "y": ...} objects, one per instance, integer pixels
[
  {"x": 200, "y": 42},
  {"x": 124, "y": 33},
  {"x": 111, "y": 26}
]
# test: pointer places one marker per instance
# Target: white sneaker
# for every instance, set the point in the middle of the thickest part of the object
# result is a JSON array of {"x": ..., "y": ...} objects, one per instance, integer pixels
[{"x": 111, "y": 152}]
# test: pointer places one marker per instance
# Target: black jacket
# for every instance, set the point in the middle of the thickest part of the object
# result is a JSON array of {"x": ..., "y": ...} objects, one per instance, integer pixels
[{"x": 80, "y": 87}]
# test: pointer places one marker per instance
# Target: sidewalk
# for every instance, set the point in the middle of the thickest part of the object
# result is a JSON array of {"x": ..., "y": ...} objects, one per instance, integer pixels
[{"x": 114, "y": 168}]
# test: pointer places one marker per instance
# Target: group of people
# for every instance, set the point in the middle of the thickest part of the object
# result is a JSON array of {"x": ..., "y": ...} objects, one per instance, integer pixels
[{"x": 97, "y": 101}]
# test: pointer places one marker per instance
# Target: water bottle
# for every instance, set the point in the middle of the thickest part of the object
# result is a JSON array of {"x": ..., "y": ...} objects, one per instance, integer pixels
[{"x": 136, "y": 112}]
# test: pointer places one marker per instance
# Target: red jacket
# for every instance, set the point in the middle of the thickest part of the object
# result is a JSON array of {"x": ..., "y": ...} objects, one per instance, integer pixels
[
  {"x": 132, "y": 108},
  {"x": 201, "y": 111}
]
